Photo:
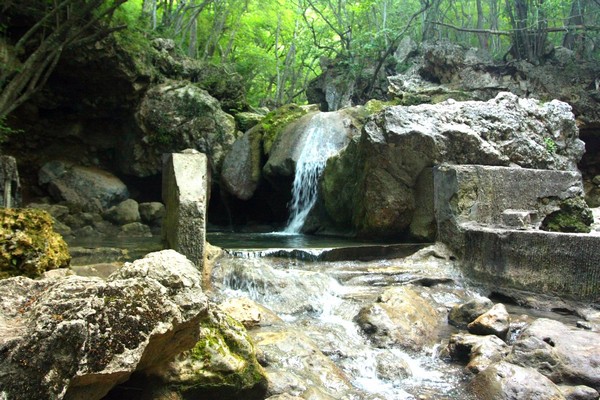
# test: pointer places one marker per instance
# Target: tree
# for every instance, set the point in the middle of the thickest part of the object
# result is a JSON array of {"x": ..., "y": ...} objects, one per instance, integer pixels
[{"x": 59, "y": 24}]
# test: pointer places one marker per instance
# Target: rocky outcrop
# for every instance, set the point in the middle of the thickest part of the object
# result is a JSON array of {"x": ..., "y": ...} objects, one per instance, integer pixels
[
  {"x": 174, "y": 116},
  {"x": 28, "y": 244},
  {"x": 78, "y": 337},
  {"x": 186, "y": 185},
  {"x": 371, "y": 186},
  {"x": 91, "y": 189}
]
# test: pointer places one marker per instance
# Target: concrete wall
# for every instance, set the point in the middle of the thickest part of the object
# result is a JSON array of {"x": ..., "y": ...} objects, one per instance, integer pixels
[
  {"x": 489, "y": 216},
  {"x": 185, "y": 185}
]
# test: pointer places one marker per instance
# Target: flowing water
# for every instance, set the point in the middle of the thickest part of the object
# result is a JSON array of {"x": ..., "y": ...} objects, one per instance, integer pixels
[
  {"x": 318, "y": 301},
  {"x": 325, "y": 135}
]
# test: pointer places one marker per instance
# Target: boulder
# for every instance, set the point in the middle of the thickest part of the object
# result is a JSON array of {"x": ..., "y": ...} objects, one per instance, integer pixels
[
  {"x": 135, "y": 229},
  {"x": 478, "y": 351},
  {"x": 123, "y": 213},
  {"x": 88, "y": 188},
  {"x": 152, "y": 213},
  {"x": 505, "y": 381},
  {"x": 28, "y": 244},
  {"x": 461, "y": 315},
  {"x": 573, "y": 216},
  {"x": 371, "y": 185},
  {"x": 221, "y": 365},
  {"x": 77, "y": 337},
  {"x": 174, "y": 116},
  {"x": 401, "y": 317},
  {"x": 562, "y": 353},
  {"x": 185, "y": 188},
  {"x": 242, "y": 165},
  {"x": 247, "y": 120},
  {"x": 579, "y": 392},
  {"x": 495, "y": 321}
]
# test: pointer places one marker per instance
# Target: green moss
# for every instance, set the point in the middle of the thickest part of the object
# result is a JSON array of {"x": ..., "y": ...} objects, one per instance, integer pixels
[
  {"x": 574, "y": 216},
  {"x": 376, "y": 106},
  {"x": 28, "y": 244},
  {"x": 274, "y": 123}
]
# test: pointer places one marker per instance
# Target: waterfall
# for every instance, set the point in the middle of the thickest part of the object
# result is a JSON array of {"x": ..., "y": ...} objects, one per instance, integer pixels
[{"x": 325, "y": 135}]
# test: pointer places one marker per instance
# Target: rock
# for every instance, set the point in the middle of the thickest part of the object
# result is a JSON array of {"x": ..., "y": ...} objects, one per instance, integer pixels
[
  {"x": 222, "y": 364},
  {"x": 28, "y": 244},
  {"x": 562, "y": 353},
  {"x": 496, "y": 321},
  {"x": 579, "y": 392},
  {"x": 174, "y": 116},
  {"x": 463, "y": 314},
  {"x": 89, "y": 188},
  {"x": 57, "y": 211},
  {"x": 478, "y": 351},
  {"x": 185, "y": 195},
  {"x": 152, "y": 213},
  {"x": 505, "y": 381},
  {"x": 400, "y": 142},
  {"x": 77, "y": 337},
  {"x": 135, "y": 229},
  {"x": 247, "y": 120},
  {"x": 124, "y": 213},
  {"x": 401, "y": 317},
  {"x": 574, "y": 216},
  {"x": 242, "y": 165},
  {"x": 249, "y": 313}
]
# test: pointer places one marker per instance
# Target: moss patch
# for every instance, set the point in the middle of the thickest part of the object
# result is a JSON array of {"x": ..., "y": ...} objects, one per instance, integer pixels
[
  {"x": 574, "y": 216},
  {"x": 28, "y": 244},
  {"x": 274, "y": 123}
]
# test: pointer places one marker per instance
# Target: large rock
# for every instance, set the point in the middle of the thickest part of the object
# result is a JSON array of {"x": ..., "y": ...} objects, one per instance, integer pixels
[
  {"x": 495, "y": 321},
  {"x": 505, "y": 381},
  {"x": 77, "y": 337},
  {"x": 185, "y": 195},
  {"x": 562, "y": 353},
  {"x": 402, "y": 317},
  {"x": 123, "y": 213},
  {"x": 478, "y": 351},
  {"x": 174, "y": 116},
  {"x": 28, "y": 244},
  {"x": 371, "y": 186},
  {"x": 90, "y": 188}
]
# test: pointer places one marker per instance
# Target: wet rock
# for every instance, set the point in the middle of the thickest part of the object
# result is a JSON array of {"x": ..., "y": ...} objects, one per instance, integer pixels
[
  {"x": 392, "y": 368},
  {"x": 123, "y": 213},
  {"x": 78, "y": 337},
  {"x": 249, "y": 313},
  {"x": 135, "y": 229},
  {"x": 505, "y": 381},
  {"x": 478, "y": 351},
  {"x": 496, "y": 321},
  {"x": 463, "y": 314},
  {"x": 89, "y": 188},
  {"x": 579, "y": 392},
  {"x": 28, "y": 243},
  {"x": 242, "y": 165},
  {"x": 401, "y": 317},
  {"x": 152, "y": 213},
  {"x": 562, "y": 353},
  {"x": 174, "y": 116},
  {"x": 222, "y": 364}
]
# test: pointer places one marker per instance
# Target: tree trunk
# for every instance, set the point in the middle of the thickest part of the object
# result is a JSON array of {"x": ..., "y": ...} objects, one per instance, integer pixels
[{"x": 482, "y": 37}]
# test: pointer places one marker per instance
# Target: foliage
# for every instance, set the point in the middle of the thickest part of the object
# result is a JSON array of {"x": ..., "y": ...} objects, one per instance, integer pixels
[
  {"x": 28, "y": 244},
  {"x": 550, "y": 145},
  {"x": 5, "y": 130}
]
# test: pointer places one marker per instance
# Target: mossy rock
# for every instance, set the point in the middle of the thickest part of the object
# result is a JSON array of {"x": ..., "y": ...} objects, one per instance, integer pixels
[
  {"x": 221, "y": 365},
  {"x": 275, "y": 122},
  {"x": 574, "y": 216},
  {"x": 28, "y": 244}
]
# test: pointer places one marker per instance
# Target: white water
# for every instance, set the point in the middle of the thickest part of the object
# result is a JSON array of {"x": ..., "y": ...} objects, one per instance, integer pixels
[{"x": 323, "y": 138}]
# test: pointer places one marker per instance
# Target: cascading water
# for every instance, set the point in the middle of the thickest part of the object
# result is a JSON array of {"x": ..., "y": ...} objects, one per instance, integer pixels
[{"x": 325, "y": 136}]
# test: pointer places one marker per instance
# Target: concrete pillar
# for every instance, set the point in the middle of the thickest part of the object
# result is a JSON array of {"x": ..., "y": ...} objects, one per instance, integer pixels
[
  {"x": 9, "y": 182},
  {"x": 185, "y": 183}
]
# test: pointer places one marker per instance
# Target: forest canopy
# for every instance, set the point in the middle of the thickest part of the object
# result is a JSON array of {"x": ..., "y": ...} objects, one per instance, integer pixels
[{"x": 279, "y": 46}]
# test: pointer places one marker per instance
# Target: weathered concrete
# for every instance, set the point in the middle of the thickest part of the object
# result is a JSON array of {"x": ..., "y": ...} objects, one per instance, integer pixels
[
  {"x": 185, "y": 195},
  {"x": 9, "y": 182},
  {"x": 489, "y": 217}
]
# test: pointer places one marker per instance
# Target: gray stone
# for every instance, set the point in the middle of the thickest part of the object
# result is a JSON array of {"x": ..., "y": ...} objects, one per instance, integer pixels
[
  {"x": 152, "y": 213},
  {"x": 505, "y": 381},
  {"x": 124, "y": 213},
  {"x": 461, "y": 315},
  {"x": 185, "y": 195},
  {"x": 174, "y": 116},
  {"x": 58, "y": 211},
  {"x": 401, "y": 317},
  {"x": 242, "y": 166},
  {"x": 495, "y": 321},
  {"x": 10, "y": 195},
  {"x": 479, "y": 351},
  {"x": 579, "y": 392},
  {"x": 564, "y": 354},
  {"x": 516, "y": 219},
  {"x": 135, "y": 229},
  {"x": 89, "y": 188},
  {"x": 78, "y": 337},
  {"x": 246, "y": 120}
]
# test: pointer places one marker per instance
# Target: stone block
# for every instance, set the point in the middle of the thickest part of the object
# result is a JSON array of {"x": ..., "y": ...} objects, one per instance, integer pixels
[
  {"x": 185, "y": 195},
  {"x": 516, "y": 219}
]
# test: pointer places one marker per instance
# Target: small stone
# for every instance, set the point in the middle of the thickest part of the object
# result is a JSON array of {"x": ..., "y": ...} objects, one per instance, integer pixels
[
  {"x": 463, "y": 314},
  {"x": 152, "y": 213},
  {"x": 124, "y": 212},
  {"x": 494, "y": 322},
  {"x": 136, "y": 229}
]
